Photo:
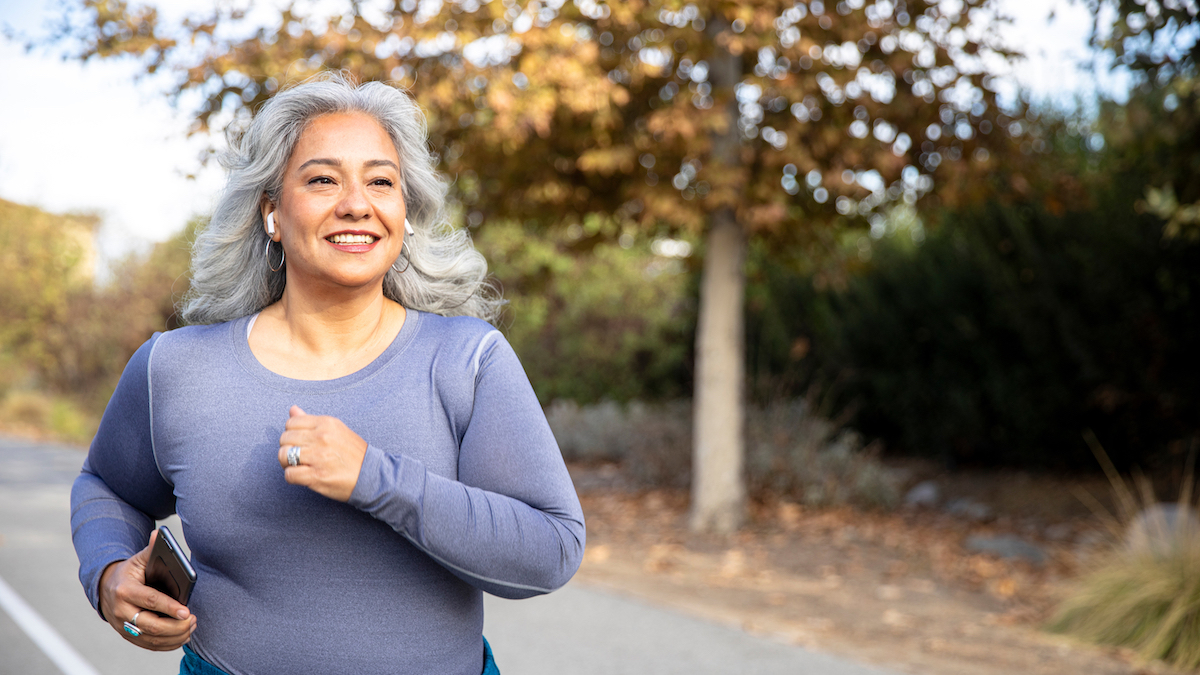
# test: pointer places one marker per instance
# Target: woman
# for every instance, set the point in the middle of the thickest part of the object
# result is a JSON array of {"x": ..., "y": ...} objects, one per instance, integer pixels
[{"x": 353, "y": 461}]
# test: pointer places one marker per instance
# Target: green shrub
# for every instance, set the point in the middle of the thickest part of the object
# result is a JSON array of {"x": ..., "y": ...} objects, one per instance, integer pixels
[
  {"x": 593, "y": 320},
  {"x": 1011, "y": 329}
]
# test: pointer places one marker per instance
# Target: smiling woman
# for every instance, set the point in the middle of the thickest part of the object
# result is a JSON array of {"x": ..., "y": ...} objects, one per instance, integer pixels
[
  {"x": 231, "y": 276},
  {"x": 340, "y": 215},
  {"x": 358, "y": 537}
]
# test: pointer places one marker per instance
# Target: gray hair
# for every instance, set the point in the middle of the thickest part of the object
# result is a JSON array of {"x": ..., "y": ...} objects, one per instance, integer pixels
[{"x": 230, "y": 274}]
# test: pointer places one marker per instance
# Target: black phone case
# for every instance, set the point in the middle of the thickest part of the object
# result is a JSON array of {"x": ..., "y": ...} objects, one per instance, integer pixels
[{"x": 169, "y": 570}]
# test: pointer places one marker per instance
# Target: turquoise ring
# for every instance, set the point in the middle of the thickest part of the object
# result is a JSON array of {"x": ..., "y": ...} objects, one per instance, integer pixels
[{"x": 132, "y": 630}]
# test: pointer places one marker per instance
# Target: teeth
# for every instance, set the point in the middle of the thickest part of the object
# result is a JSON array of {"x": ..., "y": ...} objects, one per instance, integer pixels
[{"x": 351, "y": 238}]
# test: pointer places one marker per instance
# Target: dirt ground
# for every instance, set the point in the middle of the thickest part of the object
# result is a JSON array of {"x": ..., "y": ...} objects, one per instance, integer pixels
[{"x": 899, "y": 590}]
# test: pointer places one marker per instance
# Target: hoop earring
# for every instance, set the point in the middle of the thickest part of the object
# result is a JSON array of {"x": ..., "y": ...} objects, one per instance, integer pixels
[
  {"x": 282, "y": 256},
  {"x": 406, "y": 266}
]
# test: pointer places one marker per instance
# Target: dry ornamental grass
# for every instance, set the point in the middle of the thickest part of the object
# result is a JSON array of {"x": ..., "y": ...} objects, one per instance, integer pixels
[{"x": 1145, "y": 593}]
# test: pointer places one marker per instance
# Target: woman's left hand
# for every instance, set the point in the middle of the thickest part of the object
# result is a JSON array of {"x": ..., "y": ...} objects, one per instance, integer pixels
[{"x": 331, "y": 455}]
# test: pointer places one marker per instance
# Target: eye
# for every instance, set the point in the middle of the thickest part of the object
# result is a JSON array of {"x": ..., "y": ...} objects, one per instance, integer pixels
[
  {"x": 385, "y": 182},
  {"x": 321, "y": 180}
]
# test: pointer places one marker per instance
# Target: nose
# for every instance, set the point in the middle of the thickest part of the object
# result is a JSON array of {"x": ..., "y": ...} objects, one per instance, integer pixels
[{"x": 354, "y": 204}]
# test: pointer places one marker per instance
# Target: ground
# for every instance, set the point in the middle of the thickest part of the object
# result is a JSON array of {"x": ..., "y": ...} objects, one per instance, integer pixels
[{"x": 898, "y": 589}]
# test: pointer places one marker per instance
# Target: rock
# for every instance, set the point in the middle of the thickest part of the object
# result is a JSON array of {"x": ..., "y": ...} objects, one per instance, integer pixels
[
  {"x": 925, "y": 494},
  {"x": 1006, "y": 546},
  {"x": 974, "y": 511},
  {"x": 1161, "y": 528}
]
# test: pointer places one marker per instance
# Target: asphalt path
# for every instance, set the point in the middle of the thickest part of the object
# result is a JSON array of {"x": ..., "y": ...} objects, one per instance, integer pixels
[{"x": 47, "y": 626}]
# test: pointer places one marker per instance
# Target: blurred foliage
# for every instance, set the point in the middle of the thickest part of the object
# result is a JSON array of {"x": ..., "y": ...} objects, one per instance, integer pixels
[
  {"x": 1013, "y": 326},
  {"x": 592, "y": 319},
  {"x": 64, "y": 337},
  {"x": 1154, "y": 38},
  {"x": 1155, "y": 136},
  {"x": 47, "y": 260},
  {"x": 651, "y": 113},
  {"x": 1010, "y": 330},
  {"x": 1157, "y": 132}
]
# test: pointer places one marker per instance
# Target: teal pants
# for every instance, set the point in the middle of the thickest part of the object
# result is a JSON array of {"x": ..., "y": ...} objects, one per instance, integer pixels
[{"x": 194, "y": 665}]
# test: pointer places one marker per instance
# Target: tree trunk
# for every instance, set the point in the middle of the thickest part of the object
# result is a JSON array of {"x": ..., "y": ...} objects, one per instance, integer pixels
[{"x": 718, "y": 492}]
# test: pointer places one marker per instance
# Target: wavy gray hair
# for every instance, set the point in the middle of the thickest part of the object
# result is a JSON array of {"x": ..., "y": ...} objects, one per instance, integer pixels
[{"x": 230, "y": 274}]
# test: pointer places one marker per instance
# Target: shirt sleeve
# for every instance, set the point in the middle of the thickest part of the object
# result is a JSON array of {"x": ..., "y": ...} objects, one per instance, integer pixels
[
  {"x": 119, "y": 493},
  {"x": 511, "y": 525}
]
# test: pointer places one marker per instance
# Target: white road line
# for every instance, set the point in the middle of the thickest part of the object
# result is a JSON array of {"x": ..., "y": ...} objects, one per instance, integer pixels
[{"x": 51, "y": 643}]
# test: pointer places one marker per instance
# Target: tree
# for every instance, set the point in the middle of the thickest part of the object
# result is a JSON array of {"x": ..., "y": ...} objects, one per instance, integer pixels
[
  {"x": 720, "y": 119},
  {"x": 1156, "y": 38},
  {"x": 1153, "y": 137}
]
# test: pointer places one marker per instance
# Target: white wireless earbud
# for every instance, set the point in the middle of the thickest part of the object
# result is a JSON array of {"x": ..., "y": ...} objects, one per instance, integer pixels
[
  {"x": 271, "y": 223},
  {"x": 407, "y": 227}
]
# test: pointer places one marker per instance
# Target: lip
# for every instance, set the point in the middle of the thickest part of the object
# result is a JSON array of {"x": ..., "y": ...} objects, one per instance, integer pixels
[{"x": 354, "y": 248}]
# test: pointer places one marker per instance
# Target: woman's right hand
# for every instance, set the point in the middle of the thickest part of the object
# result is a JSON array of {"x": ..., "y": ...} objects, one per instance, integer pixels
[{"x": 124, "y": 593}]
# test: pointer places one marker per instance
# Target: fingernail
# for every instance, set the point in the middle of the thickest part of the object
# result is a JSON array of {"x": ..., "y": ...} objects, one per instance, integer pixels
[{"x": 183, "y": 614}]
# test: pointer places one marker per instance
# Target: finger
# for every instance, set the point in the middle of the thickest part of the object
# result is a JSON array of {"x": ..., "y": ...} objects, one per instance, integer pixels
[
  {"x": 157, "y": 633},
  {"x": 299, "y": 475},
  {"x": 306, "y": 453},
  {"x": 149, "y": 598},
  {"x": 301, "y": 437},
  {"x": 302, "y": 422},
  {"x": 154, "y": 626},
  {"x": 283, "y": 456},
  {"x": 162, "y": 643},
  {"x": 296, "y": 410},
  {"x": 143, "y": 556}
]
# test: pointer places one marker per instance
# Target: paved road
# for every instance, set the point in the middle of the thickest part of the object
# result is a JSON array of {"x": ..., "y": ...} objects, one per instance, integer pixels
[{"x": 577, "y": 630}]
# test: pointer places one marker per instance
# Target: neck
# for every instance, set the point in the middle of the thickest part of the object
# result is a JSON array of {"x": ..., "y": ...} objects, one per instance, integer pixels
[{"x": 335, "y": 322}]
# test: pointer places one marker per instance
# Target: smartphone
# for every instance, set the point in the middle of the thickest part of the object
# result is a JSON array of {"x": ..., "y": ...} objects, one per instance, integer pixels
[{"x": 169, "y": 570}]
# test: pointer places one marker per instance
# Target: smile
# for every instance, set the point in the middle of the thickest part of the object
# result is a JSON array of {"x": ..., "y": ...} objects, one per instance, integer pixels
[{"x": 346, "y": 238}]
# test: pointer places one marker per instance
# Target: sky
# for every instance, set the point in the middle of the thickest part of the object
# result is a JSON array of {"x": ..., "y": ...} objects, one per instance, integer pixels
[{"x": 89, "y": 137}]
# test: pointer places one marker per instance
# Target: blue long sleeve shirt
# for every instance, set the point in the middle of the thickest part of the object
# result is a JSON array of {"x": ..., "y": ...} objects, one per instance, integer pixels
[{"x": 462, "y": 490}]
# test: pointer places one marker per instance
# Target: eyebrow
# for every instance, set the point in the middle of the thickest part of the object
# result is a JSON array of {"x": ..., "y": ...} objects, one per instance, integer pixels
[{"x": 370, "y": 164}]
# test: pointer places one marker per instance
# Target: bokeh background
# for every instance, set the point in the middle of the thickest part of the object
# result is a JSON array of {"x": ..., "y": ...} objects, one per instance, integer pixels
[
  {"x": 967, "y": 233},
  {"x": 986, "y": 310}
]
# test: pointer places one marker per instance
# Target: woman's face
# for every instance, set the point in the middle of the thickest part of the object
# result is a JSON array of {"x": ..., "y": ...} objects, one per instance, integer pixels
[{"x": 340, "y": 215}]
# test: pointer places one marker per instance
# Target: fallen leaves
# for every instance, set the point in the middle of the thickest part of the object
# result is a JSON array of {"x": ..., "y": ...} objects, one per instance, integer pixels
[{"x": 893, "y": 588}]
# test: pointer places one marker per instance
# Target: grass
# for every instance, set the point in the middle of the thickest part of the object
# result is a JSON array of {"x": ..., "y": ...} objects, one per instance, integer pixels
[{"x": 1145, "y": 593}]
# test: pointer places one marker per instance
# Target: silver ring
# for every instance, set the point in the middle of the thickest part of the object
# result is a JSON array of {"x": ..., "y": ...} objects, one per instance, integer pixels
[
  {"x": 132, "y": 629},
  {"x": 134, "y": 619},
  {"x": 293, "y": 455}
]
